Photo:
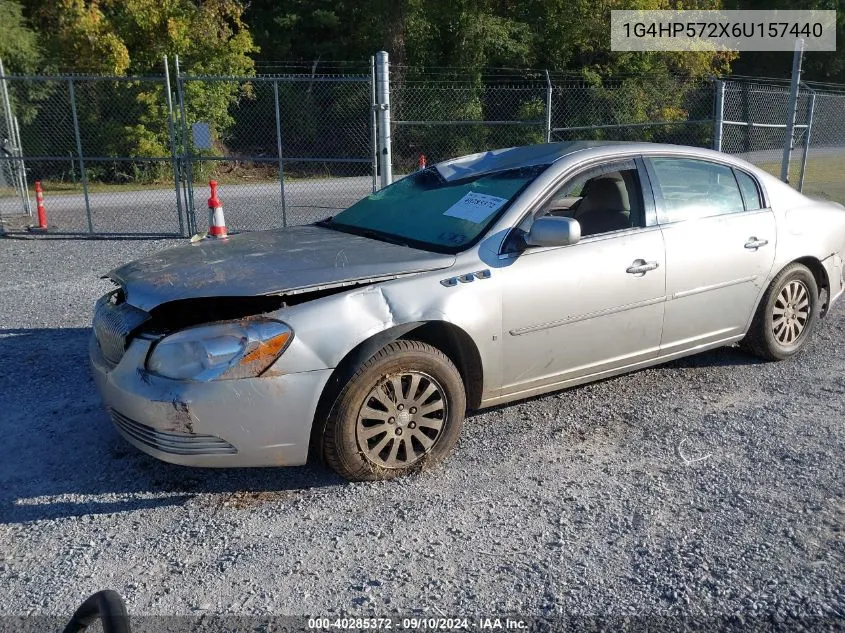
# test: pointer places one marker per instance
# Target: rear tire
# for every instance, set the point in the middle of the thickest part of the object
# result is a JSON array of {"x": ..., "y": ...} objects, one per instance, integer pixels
[
  {"x": 402, "y": 409},
  {"x": 786, "y": 316}
]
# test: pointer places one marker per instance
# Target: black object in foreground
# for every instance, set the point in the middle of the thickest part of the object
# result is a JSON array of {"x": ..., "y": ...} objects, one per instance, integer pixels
[{"x": 108, "y": 606}]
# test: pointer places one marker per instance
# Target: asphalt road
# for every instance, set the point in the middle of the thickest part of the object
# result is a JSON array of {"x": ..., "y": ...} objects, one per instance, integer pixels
[
  {"x": 247, "y": 207},
  {"x": 711, "y": 487}
]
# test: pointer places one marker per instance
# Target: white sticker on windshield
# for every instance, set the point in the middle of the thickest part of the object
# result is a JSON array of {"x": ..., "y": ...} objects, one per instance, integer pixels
[{"x": 475, "y": 207}]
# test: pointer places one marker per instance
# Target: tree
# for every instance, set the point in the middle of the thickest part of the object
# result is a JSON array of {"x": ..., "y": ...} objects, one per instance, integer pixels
[
  {"x": 129, "y": 37},
  {"x": 818, "y": 66},
  {"x": 19, "y": 45}
]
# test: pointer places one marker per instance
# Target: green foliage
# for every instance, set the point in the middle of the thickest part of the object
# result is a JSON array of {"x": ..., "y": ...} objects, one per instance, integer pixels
[
  {"x": 129, "y": 37},
  {"x": 818, "y": 66},
  {"x": 19, "y": 48},
  {"x": 562, "y": 35},
  {"x": 569, "y": 36},
  {"x": 229, "y": 37}
]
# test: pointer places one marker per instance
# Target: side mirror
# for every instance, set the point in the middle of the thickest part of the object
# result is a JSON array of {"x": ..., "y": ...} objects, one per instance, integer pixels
[{"x": 553, "y": 231}]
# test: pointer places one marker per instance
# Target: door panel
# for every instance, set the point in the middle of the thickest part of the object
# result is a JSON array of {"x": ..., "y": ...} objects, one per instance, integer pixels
[
  {"x": 575, "y": 310},
  {"x": 719, "y": 249},
  {"x": 713, "y": 280}
]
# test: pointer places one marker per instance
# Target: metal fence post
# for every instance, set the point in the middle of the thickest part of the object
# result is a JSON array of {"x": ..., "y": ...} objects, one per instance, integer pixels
[
  {"x": 279, "y": 150},
  {"x": 548, "y": 108},
  {"x": 811, "y": 107},
  {"x": 7, "y": 108},
  {"x": 385, "y": 153},
  {"x": 190, "y": 212},
  {"x": 174, "y": 154},
  {"x": 719, "y": 115},
  {"x": 83, "y": 176},
  {"x": 17, "y": 168},
  {"x": 373, "y": 123},
  {"x": 793, "y": 109},
  {"x": 746, "y": 116},
  {"x": 23, "y": 179}
]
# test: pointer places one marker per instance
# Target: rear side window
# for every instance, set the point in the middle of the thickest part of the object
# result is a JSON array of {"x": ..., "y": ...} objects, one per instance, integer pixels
[
  {"x": 692, "y": 189},
  {"x": 750, "y": 192}
]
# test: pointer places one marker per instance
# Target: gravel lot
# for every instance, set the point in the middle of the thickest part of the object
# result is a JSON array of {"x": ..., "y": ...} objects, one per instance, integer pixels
[{"x": 709, "y": 487}]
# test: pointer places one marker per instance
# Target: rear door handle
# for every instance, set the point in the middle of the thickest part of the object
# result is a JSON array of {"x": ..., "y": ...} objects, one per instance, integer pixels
[
  {"x": 753, "y": 243},
  {"x": 640, "y": 267}
]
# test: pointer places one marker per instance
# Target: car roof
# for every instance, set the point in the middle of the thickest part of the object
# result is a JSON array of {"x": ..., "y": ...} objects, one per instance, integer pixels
[
  {"x": 548, "y": 153},
  {"x": 514, "y": 158}
]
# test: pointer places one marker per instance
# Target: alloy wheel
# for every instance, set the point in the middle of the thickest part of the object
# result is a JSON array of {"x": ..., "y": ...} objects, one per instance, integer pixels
[
  {"x": 791, "y": 313},
  {"x": 401, "y": 419}
]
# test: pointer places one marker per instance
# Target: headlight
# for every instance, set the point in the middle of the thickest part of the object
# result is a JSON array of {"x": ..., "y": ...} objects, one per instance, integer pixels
[{"x": 236, "y": 349}]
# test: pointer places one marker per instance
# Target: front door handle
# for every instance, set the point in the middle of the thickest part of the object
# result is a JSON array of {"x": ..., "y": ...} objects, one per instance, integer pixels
[
  {"x": 640, "y": 267},
  {"x": 753, "y": 243}
]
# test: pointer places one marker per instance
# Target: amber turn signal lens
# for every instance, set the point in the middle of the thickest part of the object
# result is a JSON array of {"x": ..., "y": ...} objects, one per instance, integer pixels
[{"x": 267, "y": 350}]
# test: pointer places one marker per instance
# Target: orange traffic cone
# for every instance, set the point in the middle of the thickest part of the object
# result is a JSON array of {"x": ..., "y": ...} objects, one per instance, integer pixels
[
  {"x": 39, "y": 205},
  {"x": 216, "y": 221}
]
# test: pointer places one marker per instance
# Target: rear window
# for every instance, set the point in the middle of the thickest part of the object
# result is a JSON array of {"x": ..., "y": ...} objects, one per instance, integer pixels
[
  {"x": 693, "y": 189},
  {"x": 750, "y": 192}
]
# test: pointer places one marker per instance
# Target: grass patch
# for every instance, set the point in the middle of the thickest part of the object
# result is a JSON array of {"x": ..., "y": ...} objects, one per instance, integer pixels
[{"x": 824, "y": 177}]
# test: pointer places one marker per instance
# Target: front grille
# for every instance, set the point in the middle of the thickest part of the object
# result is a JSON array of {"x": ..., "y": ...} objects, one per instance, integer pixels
[
  {"x": 172, "y": 442},
  {"x": 113, "y": 323}
]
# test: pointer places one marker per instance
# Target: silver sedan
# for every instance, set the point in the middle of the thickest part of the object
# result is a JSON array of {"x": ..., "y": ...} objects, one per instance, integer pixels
[{"x": 364, "y": 338}]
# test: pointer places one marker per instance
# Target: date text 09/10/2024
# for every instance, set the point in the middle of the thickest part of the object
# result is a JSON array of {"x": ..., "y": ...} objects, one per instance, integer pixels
[{"x": 417, "y": 623}]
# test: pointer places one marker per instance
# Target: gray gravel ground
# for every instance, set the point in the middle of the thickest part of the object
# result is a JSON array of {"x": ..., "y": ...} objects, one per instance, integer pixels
[{"x": 708, "y": 487}]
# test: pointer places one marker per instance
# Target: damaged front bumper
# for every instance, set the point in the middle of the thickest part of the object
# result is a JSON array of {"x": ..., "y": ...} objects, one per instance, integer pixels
[{"x": 264, "y": 421}]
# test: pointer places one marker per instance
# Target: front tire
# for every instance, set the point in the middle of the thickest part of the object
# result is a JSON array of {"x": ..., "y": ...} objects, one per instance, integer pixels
[
  {"x": 786, "y": 316},
  {"x": 403, "y": 408}
]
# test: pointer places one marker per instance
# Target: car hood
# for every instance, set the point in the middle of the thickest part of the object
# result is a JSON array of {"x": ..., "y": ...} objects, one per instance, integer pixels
[{"x": 277, "y": 262}]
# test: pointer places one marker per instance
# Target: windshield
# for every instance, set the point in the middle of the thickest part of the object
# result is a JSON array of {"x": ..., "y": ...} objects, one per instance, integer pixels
[{"x": 428, "y": 211}]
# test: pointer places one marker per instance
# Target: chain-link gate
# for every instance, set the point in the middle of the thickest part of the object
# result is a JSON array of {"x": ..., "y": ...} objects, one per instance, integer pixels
[
  {"x": 289, "y": 150},
  {"x": 755, "y": 124},
  {"x": 14, "y": 192},
  {"x": 133, "y": 155},
  {"x": 99, "y": 147},
  {"x": 755, "y": 127}
]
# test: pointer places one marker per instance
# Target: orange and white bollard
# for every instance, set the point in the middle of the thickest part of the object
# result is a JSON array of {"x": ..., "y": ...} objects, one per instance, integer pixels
[
  {"x": 421, "y": 162},
  {"x": 216, "y": 221},
  {"x": 39, "y": 204}
]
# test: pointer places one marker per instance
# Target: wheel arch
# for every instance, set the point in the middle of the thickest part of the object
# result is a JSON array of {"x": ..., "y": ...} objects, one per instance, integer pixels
[
  {"x": 820, "y": 275},
  {"x": 758, "y": 337},
  {"x": 450, "y": 339},
  {"x": 816, "y": 268}
]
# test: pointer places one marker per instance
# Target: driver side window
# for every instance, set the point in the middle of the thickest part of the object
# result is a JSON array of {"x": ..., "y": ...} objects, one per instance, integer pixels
[{"x": 603, "y": 199}]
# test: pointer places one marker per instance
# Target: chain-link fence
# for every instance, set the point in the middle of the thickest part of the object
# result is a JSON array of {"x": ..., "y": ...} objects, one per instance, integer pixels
[
  {"x": 825, "y": 156},
  {"x": 442, "y": 119},
  {"x": 662, "y": 109},
  {"x": 127, "y": 155},
  {"x": 437, "y": 119},
  {"x": 293, "y": 150},
  {"x": 134, "y": 155},
  {"x": 756, "y": 119}
]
